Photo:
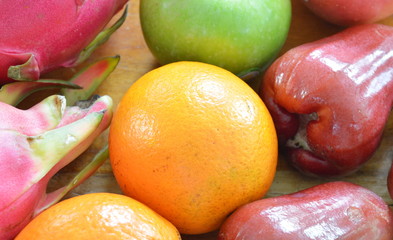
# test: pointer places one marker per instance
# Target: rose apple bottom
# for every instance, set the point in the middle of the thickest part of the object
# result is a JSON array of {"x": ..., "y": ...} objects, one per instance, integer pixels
[
  {"x": 330, "y": 99},
  {"x": 237, "y": 35}
]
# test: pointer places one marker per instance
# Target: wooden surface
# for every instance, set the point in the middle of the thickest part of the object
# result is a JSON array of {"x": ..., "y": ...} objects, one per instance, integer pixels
[{"x": 136, "y": 60}]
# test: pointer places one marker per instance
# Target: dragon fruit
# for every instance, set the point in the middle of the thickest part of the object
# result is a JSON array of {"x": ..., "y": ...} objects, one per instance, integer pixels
[
  {"x": 41, "y": 140},
  {"x": 37, "y": 143},
  {"x": 37, "y": 37},
  {"x": 41, "y": 35}
]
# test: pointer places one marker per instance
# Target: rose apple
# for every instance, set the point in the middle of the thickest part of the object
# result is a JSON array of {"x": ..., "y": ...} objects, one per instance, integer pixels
[
  {"x": 333, "y": 210},
  {"x": 351, "y": 12},
  {"x": 234, "y": 34}
]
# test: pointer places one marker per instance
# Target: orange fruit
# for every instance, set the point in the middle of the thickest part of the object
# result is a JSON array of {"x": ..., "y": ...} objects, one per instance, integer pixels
[
  {"x": 193, "y": 142},
  {"x": 104, "y": 216}
]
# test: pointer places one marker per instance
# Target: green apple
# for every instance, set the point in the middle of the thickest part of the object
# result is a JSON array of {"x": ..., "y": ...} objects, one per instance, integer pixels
[{"x": 237, "y": 35}]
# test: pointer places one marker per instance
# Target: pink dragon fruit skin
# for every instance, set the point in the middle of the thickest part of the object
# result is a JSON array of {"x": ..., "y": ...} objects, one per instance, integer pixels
[
  {"x": 41, "y": 35},
  {"x": 31, "y": 156},
  {"x": 36, "y": 120}
]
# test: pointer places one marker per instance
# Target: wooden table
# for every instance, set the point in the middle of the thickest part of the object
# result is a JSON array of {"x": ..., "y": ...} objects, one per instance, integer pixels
[{"x": 136, "y": 60}]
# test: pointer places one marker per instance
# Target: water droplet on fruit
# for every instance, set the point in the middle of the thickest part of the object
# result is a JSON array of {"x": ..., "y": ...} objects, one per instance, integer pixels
[{"x": 70, "y": 139}]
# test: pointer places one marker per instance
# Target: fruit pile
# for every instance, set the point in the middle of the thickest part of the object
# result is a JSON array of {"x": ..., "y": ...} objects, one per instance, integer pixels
[{"x": 196, "y": 143}]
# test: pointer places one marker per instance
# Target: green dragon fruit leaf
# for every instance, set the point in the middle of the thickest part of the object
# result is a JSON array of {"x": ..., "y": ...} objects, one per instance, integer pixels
[
  {"x": 46, "y": 146},
  {"x": 55, "y": 196},
  {"x": 80, "y": 86},
  {"x": 101, "y": 38},
  {"x": 26, "y": 71},
  {"x": 14, "y": 93},
  {"x": 90, "y": 79}
]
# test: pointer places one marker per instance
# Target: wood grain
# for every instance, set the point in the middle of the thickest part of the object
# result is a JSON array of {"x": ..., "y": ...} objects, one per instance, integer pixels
[{"x": 136, "y": 60}]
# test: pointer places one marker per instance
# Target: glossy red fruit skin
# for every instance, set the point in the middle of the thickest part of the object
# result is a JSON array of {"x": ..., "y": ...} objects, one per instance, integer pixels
[
  {"x": 350, "y": 12},
  {"x": 335, "y": 210},
  {"x": 331, "y": 99}
]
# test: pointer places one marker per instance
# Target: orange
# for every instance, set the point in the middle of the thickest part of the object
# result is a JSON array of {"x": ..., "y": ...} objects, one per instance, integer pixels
[
  {"x": 104, "y": 216},
  {"x": 193, "y": 142}
]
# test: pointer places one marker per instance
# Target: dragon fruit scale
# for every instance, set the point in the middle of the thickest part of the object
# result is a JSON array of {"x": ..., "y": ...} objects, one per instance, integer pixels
[
  {"x": 35, "y": 144},
  {"x": 41, "y": 35}
]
